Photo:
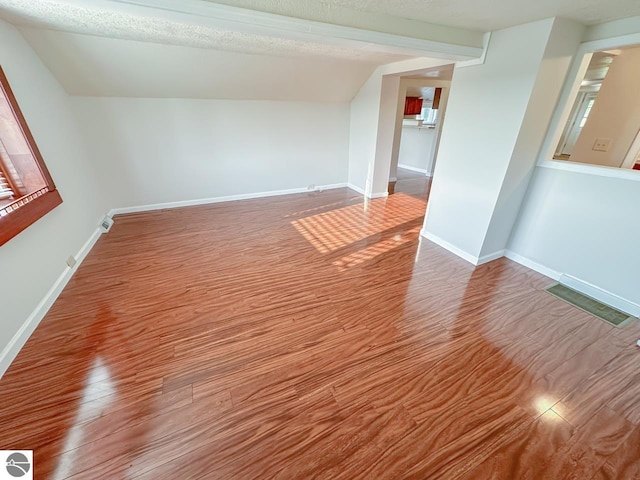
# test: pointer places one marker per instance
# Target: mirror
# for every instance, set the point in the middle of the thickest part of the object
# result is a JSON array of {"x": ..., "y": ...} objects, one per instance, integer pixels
[{"x": 604, "y": 125}]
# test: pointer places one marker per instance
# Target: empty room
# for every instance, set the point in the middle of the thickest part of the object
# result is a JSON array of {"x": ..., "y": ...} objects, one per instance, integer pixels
[{"x": 336, "y": 239}]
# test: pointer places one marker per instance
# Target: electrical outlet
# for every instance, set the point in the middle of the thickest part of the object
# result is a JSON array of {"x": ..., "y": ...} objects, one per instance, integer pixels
[
  {"x": 602, "y": 144},
  {"x": 71, "y": 261}
]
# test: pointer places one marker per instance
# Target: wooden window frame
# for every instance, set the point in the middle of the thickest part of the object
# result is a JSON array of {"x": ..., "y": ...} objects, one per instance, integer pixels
[{"x": 29, "y": 208}]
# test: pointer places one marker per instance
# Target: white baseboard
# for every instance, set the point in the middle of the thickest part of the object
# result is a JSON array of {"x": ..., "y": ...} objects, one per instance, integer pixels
[
  {"x": 461, "y": 253},
  {"x": 601, "y": 295},
  {"x": 228, "y": 198},
  {"x": 448, "y": 246},
  {"x": 490, "y": 257},
  {"x": 378, "y": 195},
  {"x": 362, "y": 192},
  {"x": 579, "y": 285},
  {"x": 547, "y": 272},
  {"x": 413, "y": 169},
  {"x": 356, "y": 189},
  {"x": 18, "y": 341},
  {"x": 10, "y": 352}
]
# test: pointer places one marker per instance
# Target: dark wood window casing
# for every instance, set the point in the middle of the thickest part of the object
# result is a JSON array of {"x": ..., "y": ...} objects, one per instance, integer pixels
[{"x": 27, "y": 191}]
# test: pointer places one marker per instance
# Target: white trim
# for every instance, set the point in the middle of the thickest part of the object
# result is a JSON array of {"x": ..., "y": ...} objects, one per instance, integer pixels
[
  {"x": 490, "y": 257},
  {"x": 611, "y": 43},
  {"x": 378, "y": 195},
  {"x": 228, "y": 198},
  {"x": 476, "y": 261},
  {"x": 598, "y": 170},
  {"x": 448, "y": 246},
  {"x": 486, "y": 39},
  {"x": 281, "y": 26},
  {"x": 601, "y": 295},
  {"x": 547, "y": 272},
  {"x": 369, "y": 196},
  {"x": 581, "y": 286},
  {"x": 356, "y": 188},
  {"x": 11, "y": 350},
  {"x": 414, "y": 169}
]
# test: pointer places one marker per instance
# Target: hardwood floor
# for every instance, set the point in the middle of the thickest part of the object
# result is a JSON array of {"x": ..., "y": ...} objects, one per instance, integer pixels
[{"x": 316, "y": 336}]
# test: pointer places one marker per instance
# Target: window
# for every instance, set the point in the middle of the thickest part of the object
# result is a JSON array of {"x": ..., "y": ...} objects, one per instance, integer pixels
[
  {"x": 429, "y": 115},
  {"x": 600, "y": 113},
  {"x": 27, "y": 191}
]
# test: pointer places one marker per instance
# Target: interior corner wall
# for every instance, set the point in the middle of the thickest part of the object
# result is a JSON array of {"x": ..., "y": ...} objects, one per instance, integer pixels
[
  {"x": 582, "y": 225},
  {"x": 486, "y": 108},
  {"x": 153, "y": 151},
  {"x": 365, "y": 111},
  {"x": 32, "y": 261},
  {"x": 398, "y": 129},
  {"x": 388, "y": 134},
  {"x": 373, "y": 114},
  {"x": 562, "y": 45}
]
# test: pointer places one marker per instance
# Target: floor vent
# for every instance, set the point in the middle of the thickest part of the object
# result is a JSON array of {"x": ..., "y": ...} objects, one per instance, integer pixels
[{"x": 589, "y": 305}]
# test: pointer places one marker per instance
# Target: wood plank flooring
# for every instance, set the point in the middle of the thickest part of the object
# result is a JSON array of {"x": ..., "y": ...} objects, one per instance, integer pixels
[{"x": 316, "y": 336}]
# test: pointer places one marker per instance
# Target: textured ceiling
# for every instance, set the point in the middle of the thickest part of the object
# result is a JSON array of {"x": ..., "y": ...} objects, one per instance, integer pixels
[
  {"x": 72, "y": 17},
  {"x": 474, "y": 14},
  {"x": 99, "y": 66}
]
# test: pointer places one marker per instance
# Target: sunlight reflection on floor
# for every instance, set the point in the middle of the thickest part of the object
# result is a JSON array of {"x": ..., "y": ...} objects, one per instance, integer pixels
[{"x": 330, "y": 231}]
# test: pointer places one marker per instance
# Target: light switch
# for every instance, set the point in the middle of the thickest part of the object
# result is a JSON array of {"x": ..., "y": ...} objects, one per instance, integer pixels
[{"x": 602, "y": 144}]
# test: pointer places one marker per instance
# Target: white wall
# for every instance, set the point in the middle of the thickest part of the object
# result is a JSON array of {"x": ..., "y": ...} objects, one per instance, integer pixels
[
  {"x": 562, "y": 44},
  {"x": 585, "y": 226},
  {"x": 32, "y": 261},
  {"x": 375, "y": 127},
  {"x": 486, "y": 107},
  {"x": 165, "y": 150},
  {"x": 415, "y": 83},
  {"x": 615, "y": 114},
  {"x": 416, "y": 147},
  {"x": 365, "y": 111}
]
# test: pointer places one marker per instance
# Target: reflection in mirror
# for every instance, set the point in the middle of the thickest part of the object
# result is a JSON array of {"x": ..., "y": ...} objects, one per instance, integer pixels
[{"x": 604, "y": 125}]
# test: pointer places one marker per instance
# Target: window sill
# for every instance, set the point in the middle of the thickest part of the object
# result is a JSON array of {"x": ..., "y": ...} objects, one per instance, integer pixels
[
  {"x": 18, "y": 220},
  {"x": 600, "y": 171}
]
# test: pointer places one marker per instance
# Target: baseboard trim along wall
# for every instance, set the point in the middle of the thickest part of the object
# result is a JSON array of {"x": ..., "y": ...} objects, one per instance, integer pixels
[
  {"x": 355, "y": 188},
  {"x": 525, "y": 262},
  {"x": 378, "y": 195},
  {"x": 448, "y": 246},
  {"x": 414, "y": 169},
  {"x": 10, "y": 352},
  {"x": 461, "y": 253},
  {"x": 228, "y": 198},
  {"x": 490, "y": 257},
  {"x": 362, "y": 192},
  {"x": 577, "y": 284},
  {"x": 601, "y": 295}
]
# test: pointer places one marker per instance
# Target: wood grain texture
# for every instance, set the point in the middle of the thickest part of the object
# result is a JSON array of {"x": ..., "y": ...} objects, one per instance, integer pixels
[{"x": 316, "y": 336}]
